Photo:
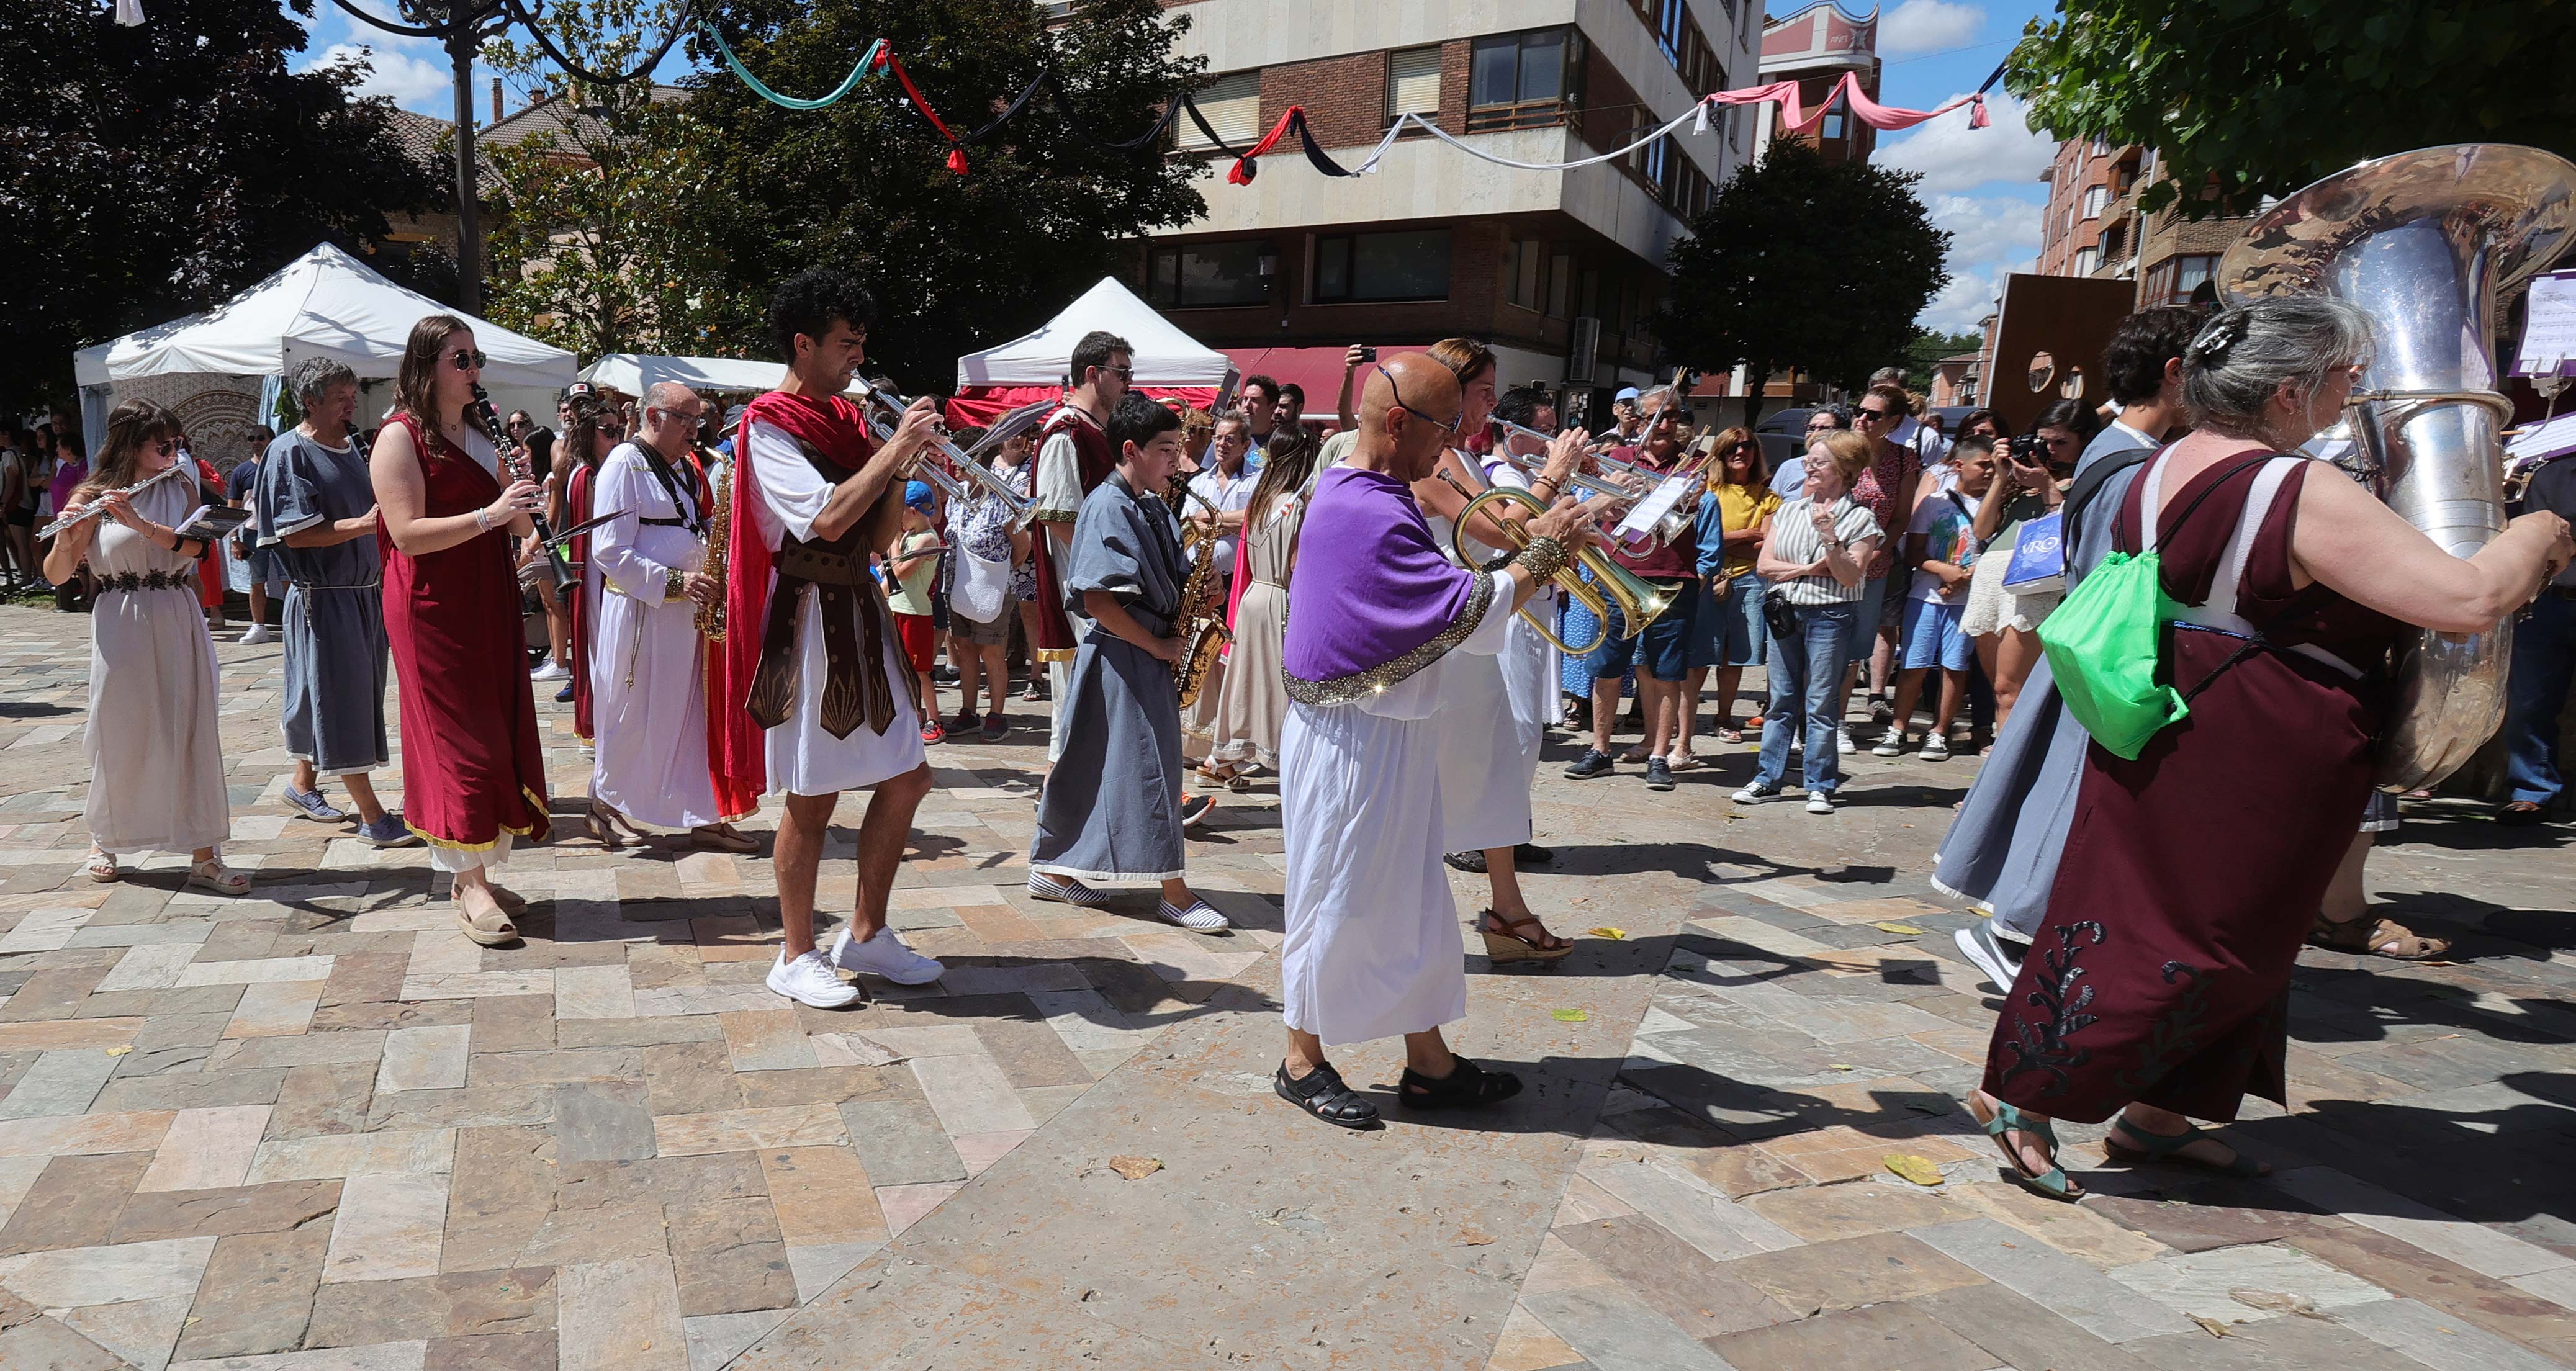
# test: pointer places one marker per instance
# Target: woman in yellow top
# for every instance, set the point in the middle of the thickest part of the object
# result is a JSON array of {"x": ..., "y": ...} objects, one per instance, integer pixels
[{"x": 1730, "y": 634}]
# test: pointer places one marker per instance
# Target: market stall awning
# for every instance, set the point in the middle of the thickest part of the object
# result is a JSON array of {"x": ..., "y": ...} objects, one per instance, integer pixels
[
  {"x": 325, "y": 303},
  {"x": 631, "y": 372},
  {"x": 1164, "y": 355}
]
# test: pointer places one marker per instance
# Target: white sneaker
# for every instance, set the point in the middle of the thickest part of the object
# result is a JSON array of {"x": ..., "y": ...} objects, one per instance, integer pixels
[
  {"x": 1818, "y": 802},
  {"x": 1890, "y": 744},
  {"x": 1935, "y": 748},
  {"x": 884, "y": 954},
  {"x": 810, "y": 980},
  {"x": 259, "y": 633},
  {"x": 1756, "y": 794},
  {"x": 551, "y": 671},
  {"x": 1200, "y": 917},
  {"x": 1843, "y": 742}
]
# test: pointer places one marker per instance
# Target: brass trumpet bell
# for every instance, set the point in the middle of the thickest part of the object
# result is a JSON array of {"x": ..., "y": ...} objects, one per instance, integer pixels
[{"x": 1638, "y": 602}]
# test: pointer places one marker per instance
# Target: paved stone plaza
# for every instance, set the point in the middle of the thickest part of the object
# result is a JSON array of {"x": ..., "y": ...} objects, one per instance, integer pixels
[{"x": 315, "y": 1128}]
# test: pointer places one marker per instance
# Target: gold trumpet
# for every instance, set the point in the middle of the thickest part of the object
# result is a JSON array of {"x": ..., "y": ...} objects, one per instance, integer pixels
[{"x": 1638, "y": 601}]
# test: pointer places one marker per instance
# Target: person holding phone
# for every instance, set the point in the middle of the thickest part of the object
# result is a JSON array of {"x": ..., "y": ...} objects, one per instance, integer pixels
[{"x": 2031, "y": 481}]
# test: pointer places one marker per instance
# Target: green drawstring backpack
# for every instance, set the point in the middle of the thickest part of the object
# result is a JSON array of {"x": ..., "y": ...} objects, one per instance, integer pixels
[{"x": 2105, "y": 641}]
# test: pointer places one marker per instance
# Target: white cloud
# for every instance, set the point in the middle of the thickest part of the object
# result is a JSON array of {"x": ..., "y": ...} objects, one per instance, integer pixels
[
  {"x": 1990, "y": 236},
  {"x": 1953, "y": 156},
  {"x": 412, "y": 82},
  {"x": 1919, "y": 26}
]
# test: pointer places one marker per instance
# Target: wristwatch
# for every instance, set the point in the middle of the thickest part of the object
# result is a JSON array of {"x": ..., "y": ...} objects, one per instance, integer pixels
[{"x": 675, "y": 585}]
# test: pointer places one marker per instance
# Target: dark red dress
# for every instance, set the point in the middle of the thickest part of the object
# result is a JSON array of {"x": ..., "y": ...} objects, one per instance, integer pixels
[
  {"x": 2191, "y": 875},
  {"x": 471, "y": 762}
]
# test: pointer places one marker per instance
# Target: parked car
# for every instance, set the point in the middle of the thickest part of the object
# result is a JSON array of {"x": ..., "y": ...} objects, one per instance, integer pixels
[{"x": 1783, "y": 435}]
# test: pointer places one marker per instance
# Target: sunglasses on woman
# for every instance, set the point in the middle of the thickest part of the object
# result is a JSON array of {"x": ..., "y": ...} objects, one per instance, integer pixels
[{"x": 463, "y": 360}]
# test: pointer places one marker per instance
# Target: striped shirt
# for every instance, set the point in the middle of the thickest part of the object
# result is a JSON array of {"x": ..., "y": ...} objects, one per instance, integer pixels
[{"x": 1793, "y": 539}]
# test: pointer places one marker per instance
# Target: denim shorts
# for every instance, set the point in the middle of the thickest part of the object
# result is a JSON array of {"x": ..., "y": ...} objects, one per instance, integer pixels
[
  {"x": 1663, "y": 650},
  {"x": 1933, "y": 637},
  {"x": 1729, "y": 630}
]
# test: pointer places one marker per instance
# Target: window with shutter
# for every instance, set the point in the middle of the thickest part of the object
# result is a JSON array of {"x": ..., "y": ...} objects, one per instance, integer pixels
[
  {"x": 1232, "y": 104},
  {"x": 1413, "y": 83}
]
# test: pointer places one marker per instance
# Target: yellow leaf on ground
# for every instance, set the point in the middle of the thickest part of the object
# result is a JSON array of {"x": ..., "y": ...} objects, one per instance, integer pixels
[
  {"x": 2212, "y": 1327},
  {"x": 1472, "y": 1236},
  {"x": 1569, "y": 1015},
  {"x": 1907, "y": 929},
  {"x": 1919, "y": 1170},
  {"x": 119, "y": 1051},
  {"x": 1135, "y": 1168},
  {"x": 1606, "y": 931}
]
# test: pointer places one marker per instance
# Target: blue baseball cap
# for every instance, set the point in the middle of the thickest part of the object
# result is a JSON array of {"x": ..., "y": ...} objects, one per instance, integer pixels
[
  {"x": 1626, "y": 393},
  {"x": 917, "y": 495}
]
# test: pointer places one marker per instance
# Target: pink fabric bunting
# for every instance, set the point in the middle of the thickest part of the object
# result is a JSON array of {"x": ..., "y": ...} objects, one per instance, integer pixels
[{"x": 1798, "y": 119}]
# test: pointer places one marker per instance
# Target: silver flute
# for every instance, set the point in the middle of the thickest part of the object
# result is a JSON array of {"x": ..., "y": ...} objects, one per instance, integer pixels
[{"x": 97, "y": 506}]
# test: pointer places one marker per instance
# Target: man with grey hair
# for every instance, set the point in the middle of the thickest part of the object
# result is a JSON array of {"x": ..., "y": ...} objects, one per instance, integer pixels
[
  {"x": 644, "y": 583},
  {"x": 315, "y": 509}
]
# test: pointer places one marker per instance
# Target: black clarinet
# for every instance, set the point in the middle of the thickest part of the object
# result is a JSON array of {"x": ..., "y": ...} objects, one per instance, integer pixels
[{"x": 564, "y": 576}]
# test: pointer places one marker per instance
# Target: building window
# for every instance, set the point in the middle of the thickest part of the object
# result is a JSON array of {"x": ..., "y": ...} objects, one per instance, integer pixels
[
  {"x": 2171, "y": 281},
  {"x": 1413, "y": 83},
  {"x": 1208, "y": 275},
  {"x": 1232, "y": 104},
  {"x": 2095, "y": 197},
  {"x": 1831, "y": 130},
  {"x": 2085, "y": 260},
  {"x": 1524, "y": 272},
  {"x": 1405, "y": 265},
  {"x": 1524, "y": 80}
]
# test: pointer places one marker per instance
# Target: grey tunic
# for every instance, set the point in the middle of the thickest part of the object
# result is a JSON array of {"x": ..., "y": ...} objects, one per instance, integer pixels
[
  {"x": 2001, "y": 852},
  {"x": 1111, "y": 808},
  {"x": 333, "y": 706}
]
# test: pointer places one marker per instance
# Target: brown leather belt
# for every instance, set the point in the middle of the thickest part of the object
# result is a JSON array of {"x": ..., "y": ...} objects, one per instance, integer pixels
[{"x": 854, "y": 617}]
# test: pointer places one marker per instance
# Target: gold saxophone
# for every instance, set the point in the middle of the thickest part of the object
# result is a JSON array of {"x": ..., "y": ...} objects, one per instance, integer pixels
[
  {"x": 711, "y": 617},
  {"x": 1201, "y": 624}
]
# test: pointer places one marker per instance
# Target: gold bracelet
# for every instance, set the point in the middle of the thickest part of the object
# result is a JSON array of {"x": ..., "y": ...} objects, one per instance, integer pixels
[{"x": 1543, "y": 557}]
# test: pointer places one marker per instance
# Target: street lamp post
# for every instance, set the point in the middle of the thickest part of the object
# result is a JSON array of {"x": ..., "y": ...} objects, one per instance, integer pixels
[{"x": 462, "y": 40}]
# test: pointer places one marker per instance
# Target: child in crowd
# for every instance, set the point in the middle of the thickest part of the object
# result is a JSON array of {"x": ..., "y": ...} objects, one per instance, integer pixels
[
  {"x": 1941, "y": 547},
  {"x": 913, "y": 563}
]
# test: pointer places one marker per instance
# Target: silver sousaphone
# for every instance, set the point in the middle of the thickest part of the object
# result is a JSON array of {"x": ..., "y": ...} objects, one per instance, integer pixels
[{"x": 2430, "y": 243}]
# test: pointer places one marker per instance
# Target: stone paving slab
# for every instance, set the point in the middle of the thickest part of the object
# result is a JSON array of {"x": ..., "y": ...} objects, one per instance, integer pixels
[{"x": 315, "y": 1128}]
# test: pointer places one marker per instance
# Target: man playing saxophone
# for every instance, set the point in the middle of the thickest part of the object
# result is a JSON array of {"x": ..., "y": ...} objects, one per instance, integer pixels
[{"x": 647, "y": 662}]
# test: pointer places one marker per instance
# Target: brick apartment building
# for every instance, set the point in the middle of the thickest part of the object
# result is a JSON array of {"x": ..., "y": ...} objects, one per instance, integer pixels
[
  {"x": 1816, "y": 47},
  {"x": 1559, "y": 270}
]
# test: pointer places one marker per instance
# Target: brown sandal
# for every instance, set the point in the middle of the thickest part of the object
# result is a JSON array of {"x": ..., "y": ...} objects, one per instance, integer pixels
[
  {"x": 2375, "y": 937},
  {"x": 1512, "y": 946}
]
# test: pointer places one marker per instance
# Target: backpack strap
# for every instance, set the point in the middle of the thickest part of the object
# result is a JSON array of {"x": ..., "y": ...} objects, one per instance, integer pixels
[{"x": 2089, "y": 483}]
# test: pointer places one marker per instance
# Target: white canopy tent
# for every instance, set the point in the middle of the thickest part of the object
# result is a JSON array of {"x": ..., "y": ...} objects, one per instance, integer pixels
[
  {"x": 1164, "y": 356},
  {"x": 630, "y": 372},
  {"x": 325, "y": 303}
]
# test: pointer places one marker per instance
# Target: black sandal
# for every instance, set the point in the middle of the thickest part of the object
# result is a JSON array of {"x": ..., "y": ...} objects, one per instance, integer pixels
[
  {"x": 1467, "y": 1086},
  {"x": 1323, "y": 1094}
]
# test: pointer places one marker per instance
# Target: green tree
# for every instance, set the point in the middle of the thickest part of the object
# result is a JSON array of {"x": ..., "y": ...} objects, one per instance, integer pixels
[
  {"x": 1929, "y": 347},
  {"x": 590, "y": 247},
  {"x": 956, "y": 262},
  {"x": 1802, "y": 262},
  {"x": 149, "y": 171},
  {"x": 2256, "y": 97}
]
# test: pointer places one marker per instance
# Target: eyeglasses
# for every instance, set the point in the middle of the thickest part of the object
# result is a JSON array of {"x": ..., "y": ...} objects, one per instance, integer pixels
[
  {"x": 680, "y": 415},
  {"x": 463, "y": 360},
  {"x": 1122, "y": 373},
  {"x": 1748, "y": 447},
  {"x": 1875, "y": 416},
  {"x": 1821, "y": 426},
  {"x": 1450, "y": 428},
  {"x": 164, "y": 448}
]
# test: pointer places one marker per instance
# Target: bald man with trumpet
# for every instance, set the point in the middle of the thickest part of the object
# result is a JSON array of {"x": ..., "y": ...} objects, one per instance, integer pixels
[{"x": 1376, "y": 615}]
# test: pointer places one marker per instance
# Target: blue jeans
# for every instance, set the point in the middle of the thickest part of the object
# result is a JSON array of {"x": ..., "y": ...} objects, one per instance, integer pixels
[
  {"x": 1806, "y": 680},
  {"x": 2544, "y": 661}
]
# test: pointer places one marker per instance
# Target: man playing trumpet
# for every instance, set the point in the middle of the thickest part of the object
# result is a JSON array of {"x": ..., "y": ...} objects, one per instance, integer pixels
[{"x": 647, "y": 668}]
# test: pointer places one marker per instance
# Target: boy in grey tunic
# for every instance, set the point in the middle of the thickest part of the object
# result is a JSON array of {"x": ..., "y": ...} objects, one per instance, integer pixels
[
  {"x": 315, "y": 511},
  {"x": 1112, "y": 807}
]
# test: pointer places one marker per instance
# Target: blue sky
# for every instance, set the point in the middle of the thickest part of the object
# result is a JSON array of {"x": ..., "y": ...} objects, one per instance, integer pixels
[{"x": 1980, "y": 184}]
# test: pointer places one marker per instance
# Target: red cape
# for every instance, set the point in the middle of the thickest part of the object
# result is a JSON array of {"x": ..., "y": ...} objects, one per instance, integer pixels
[
  {"x": 577, "y": 603},
  {"x": 736, "y": 758}
]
